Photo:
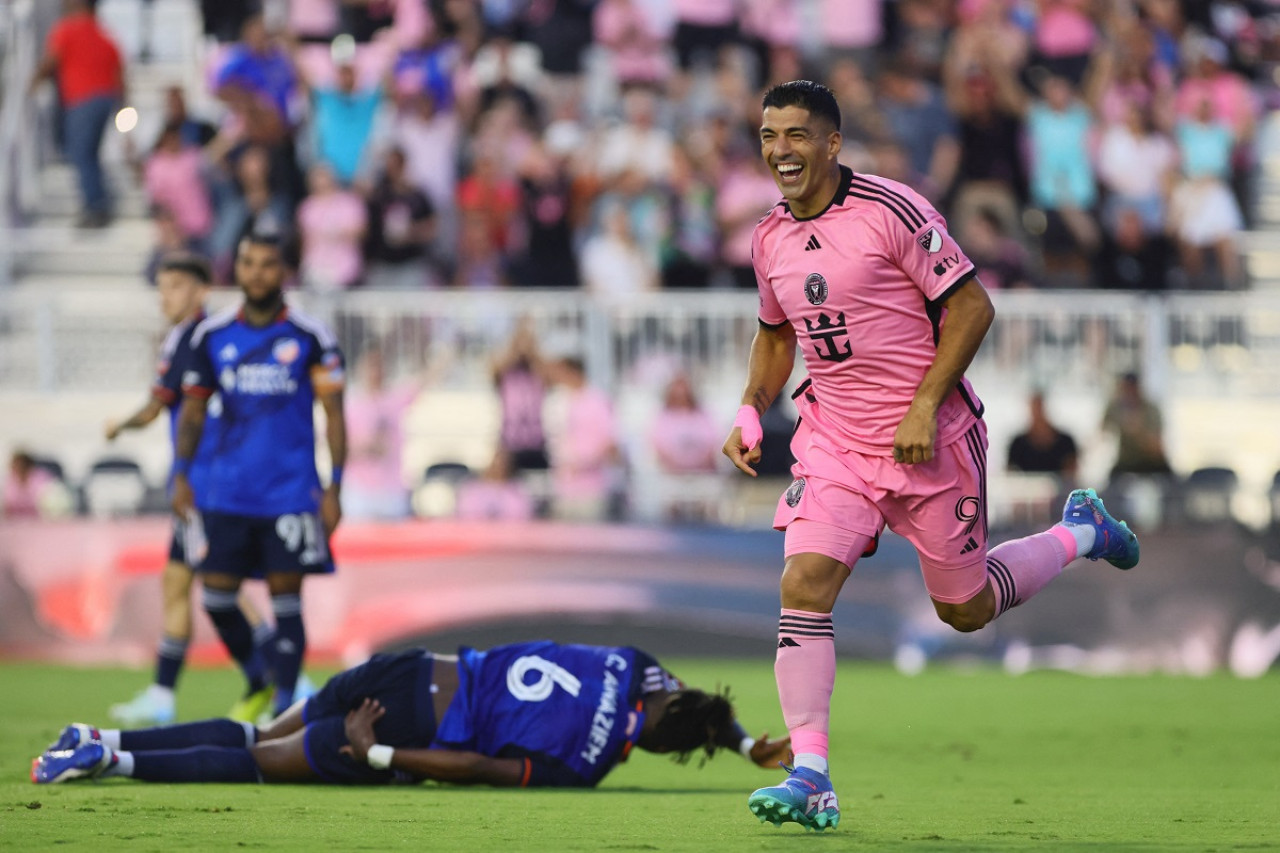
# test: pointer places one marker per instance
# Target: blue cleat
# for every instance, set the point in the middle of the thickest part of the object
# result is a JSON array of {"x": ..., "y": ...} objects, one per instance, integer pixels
[
  {"x": 83, "y": 762},
  {"x": 76, "y": 734},
  {"x": 1114, "y": 542},
  {"x": 806, "y": 798}
]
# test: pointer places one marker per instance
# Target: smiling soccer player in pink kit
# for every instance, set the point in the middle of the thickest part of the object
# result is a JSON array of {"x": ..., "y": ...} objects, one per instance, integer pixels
[{"x": 861, "y": 274}]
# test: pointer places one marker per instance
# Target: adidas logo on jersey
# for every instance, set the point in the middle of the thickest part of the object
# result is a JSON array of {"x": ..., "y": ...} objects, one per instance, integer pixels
[
  {"x": 812, "y": 244},
  {"x": 787, "y": 642},
  {"x": 971, "y": 545}
]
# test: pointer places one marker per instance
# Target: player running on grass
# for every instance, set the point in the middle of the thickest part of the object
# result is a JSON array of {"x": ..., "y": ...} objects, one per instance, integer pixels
[
  {"x": 860, "y": 273},
  {"x": 527, "y": 714},
  {"x": 182, "y": 283}
]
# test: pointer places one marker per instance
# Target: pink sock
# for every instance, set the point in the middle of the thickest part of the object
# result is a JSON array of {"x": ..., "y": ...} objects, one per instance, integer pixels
[
  {"x": 1021, "y": 568},
  {"x": 806, "y": 673}
]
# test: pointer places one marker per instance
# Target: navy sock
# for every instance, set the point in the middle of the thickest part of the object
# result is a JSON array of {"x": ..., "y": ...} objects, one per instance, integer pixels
[
  {"x": 264, "y": 634},
  {"x": 169, "y": 659},
  {"x": 183, "y": 735},
  {"x": 289, "y": 647},
  {"x": 197, "y": 764},
  {"x": 223, "y": 607}
]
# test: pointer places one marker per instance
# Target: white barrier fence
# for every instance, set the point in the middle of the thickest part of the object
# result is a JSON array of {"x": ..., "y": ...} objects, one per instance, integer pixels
[
  {"x": 1212, "y": 362},
  {"x": 1226, "y": 344}
]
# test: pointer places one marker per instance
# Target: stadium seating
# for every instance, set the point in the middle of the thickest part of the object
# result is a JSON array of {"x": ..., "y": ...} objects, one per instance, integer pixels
[
  {"x": 114, "y": 486},
  {"x": 1207, "y": 494}
]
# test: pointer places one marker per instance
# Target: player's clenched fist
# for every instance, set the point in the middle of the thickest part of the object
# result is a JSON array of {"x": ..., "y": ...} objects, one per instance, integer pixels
[{"x": 743, "y": 444}]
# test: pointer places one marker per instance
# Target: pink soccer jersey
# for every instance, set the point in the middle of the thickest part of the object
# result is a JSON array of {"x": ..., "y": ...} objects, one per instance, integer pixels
[{"x": 862, "y": 285}]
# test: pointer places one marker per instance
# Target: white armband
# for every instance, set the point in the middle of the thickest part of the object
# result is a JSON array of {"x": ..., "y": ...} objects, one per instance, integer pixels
[
  {"x": 745, "y": 747},
  {"x": 379, "y": 756}
]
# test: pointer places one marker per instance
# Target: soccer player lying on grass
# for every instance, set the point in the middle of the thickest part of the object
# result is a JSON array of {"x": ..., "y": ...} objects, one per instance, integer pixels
[{"x": 524, "y": 714}]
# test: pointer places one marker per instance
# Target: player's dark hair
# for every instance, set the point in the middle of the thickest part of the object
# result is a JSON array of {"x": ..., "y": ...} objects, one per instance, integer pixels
[
  {"x": 692, "y": 721},
  {"x": 189, "y": 263},
  {"x": 807, "y": 95},
  {"x": 264, "y": 238}
]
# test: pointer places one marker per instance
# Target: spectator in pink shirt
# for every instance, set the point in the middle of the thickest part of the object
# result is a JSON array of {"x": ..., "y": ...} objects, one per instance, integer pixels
[
  {"x": 25, "y": 487},
  {"x": 1209, "y": 78},
  {"x": 496, "y": 496},
  {"x": 635, "y": 40},
  {"x": 1065, "y": 37},
  {"x": 746, "y": 193},
  {"x": 685, "y": 438},
  {"x": 332, "y": 223},
  {"x": 174, "y": 180},
  {"x": 584, "y": 456},
  {"x": 373, "y": 487},
  {"x": 851, "y": 30}
]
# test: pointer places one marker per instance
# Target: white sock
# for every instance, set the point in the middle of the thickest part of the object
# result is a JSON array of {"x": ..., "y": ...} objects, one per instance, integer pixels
[
  {"x": 110, "y": 738},
  {"x": 122, "y": 767},
  {"x": 1085, "y": 535},
  {"x": 813, "y": 761}
]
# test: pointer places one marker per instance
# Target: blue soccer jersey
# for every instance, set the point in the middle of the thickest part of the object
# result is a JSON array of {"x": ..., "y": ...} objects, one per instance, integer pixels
[
  {"x": 573, "y": 712},
  {"x": 267, "y": 378},
  {"x": 175, "y": 354}
]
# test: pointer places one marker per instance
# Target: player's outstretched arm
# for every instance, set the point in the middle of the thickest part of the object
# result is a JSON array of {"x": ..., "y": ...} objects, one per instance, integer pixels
[
  {"x": 767, "y": 753},
  {"x": 773, "y": 353},
  {"x": 336, "y": 435},
  {"x": 190, "y": 428},
  {"x": 137, "y": 420},
  {"x": 443, "y": 765}
]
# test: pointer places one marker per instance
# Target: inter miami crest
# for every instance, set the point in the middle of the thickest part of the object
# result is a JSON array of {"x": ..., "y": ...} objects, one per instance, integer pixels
[
  {"x": 815, "y": 289},
  {"x": 795, "y": 492}
]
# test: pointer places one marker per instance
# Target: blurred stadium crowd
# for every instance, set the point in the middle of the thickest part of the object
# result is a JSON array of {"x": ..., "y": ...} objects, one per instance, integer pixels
[{"x": 611, "y": 144}]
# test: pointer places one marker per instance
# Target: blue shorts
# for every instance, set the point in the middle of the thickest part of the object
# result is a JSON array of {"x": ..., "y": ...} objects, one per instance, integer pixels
[
  {"x": 402, "y": 683},
  {"x": 252, "y": 547}
]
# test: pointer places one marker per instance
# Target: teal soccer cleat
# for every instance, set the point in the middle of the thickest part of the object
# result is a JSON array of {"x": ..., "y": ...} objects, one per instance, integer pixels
[
  {"x": 806, "y": 798},
  {"x": 1115, "y": 542}
]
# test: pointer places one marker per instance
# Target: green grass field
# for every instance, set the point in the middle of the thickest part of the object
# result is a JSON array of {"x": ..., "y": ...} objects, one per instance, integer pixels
[{"x": 948, "y": 761}]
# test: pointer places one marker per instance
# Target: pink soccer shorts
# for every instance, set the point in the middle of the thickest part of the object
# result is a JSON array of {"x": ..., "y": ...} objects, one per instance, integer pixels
[{"x": 841, "y": 499}]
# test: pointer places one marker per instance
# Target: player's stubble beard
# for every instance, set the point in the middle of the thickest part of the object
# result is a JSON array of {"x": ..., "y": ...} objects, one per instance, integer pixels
[{"x": 266, "y": 305}]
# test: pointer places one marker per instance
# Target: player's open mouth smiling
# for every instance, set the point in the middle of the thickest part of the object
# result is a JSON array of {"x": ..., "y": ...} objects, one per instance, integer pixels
[{"x": 789, "y": 173}]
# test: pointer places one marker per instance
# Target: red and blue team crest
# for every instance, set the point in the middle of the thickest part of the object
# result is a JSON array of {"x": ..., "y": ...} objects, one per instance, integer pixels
[
  {"x": 815, "y": 289},
  {"x": 286, "y": 350}
]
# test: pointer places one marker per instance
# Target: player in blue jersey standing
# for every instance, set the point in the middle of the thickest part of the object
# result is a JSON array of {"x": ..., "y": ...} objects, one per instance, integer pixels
[
  {"x": 264, "y": 512},
  {"x": 182, "y": 282},
  {"x": 526, "y": 714}
]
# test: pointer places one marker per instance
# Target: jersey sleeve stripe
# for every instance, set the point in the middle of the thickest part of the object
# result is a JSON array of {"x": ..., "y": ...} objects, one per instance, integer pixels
[
  {"x": 310, "y": 324},
  {"x": 216, "y": 321},
  {"x": 902, "y": 202},
  {"x": 896, "y": 212},
  {"x": 771, "y": 326}
]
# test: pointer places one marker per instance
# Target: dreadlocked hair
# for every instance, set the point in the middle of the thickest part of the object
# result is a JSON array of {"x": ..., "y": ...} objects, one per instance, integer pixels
[{"x": 693, "y": 721}]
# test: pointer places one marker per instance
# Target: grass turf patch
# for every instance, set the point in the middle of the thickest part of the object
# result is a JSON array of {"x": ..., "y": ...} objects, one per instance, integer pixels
[{"x": 948, "y": 761}]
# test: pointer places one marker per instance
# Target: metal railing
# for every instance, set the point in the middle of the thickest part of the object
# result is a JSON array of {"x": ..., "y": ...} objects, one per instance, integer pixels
[
  {"x": 1216, "y": 344},
  {"x": 18, "y": 125}
]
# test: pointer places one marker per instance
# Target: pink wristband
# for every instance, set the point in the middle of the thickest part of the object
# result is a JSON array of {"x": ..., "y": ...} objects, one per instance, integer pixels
[{"x": 748, "y": 420}]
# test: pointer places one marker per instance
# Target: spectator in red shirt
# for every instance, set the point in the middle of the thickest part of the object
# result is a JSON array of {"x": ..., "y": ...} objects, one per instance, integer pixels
[{"x": 87, "y": 67}]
